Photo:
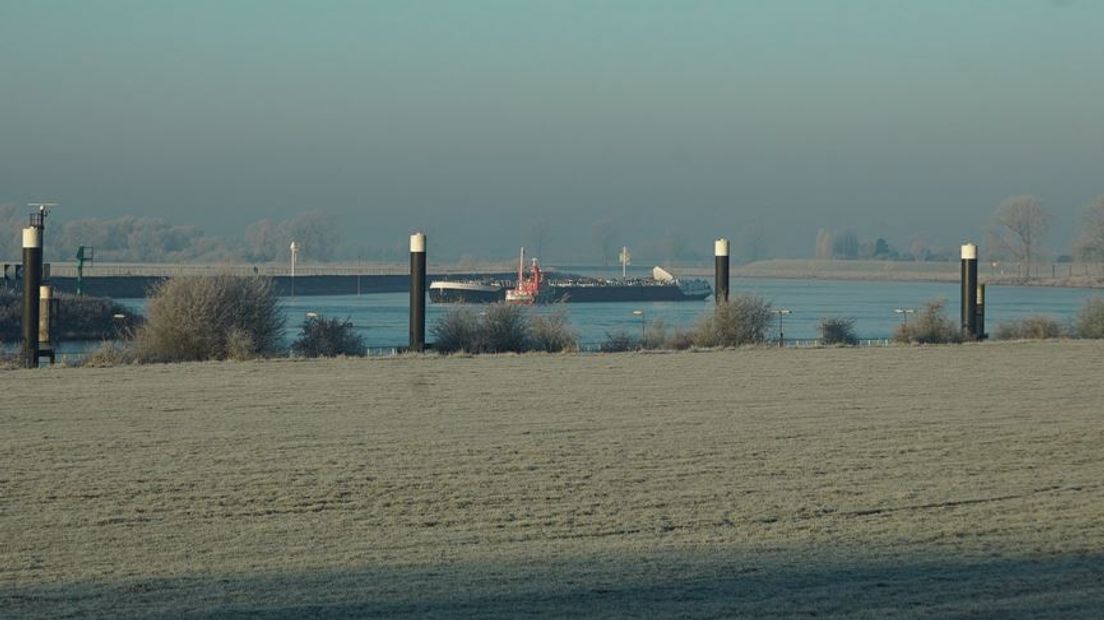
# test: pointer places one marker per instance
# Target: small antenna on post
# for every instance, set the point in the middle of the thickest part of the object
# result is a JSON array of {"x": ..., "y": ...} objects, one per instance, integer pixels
[{"x": 41, "y": 210}]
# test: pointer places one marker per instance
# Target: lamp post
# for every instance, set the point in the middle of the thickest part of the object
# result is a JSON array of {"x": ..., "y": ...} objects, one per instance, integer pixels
[
  {"x": 781, "y": 312},
  {"x": 294, "y": 258},
  {"x": 904, "y": 312},
  {"x": 640, "y": 313}
]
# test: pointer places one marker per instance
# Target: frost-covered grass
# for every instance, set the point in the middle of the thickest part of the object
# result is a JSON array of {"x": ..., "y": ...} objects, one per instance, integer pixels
[{"x": 759, "y": 482}]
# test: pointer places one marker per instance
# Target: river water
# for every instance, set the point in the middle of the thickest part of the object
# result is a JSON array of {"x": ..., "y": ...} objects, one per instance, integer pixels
[{"x": 382, "y": 318}]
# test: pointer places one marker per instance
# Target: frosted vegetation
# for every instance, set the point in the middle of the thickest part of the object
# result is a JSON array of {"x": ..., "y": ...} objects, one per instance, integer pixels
[
  {"x": 840, "y": 482},
  {"x": 201, "y": 318}
]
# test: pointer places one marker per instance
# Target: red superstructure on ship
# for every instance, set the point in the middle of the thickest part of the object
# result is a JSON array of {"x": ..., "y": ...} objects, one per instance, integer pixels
[{"x": 531, "y": 288}]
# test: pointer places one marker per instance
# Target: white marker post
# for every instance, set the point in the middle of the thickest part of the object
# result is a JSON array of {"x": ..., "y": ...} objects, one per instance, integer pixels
[{"x": 45, "y": 320}]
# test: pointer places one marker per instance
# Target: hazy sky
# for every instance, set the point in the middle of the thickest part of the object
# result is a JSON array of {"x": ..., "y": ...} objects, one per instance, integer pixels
[{"x": 473, "y": 119}]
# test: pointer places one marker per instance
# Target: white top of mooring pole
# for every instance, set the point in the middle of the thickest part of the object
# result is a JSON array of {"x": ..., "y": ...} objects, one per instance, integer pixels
[
  {"x": 32, "y": 237},
  {"x": 969, "y": 251},
  {"x": 720, "y": 247},
  {"x": 417, "y": 242},
  {"x": 46, "y": 291}
]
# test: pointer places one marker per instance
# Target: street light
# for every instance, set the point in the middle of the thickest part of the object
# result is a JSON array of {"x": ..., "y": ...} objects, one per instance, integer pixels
[
  {"x": 781, "y": 312},
  {"x": 640, "y": 313},
  {"x": 294, "y": 257},
  {"x": 904, "y": 312}
]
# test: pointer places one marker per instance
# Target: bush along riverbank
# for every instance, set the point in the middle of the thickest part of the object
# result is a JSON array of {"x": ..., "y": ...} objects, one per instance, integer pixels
[{"x": 79, "y": 318}]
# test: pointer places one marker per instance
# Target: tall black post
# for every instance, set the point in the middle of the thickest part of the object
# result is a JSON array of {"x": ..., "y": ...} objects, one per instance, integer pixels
[
  {"x": 720, "y": 270},
  {"x": 32, "y": 280},
  {"x": 417, "y": 291},
  {"x": 969, "y": 291},
  {"x": 981, "y": 312}
]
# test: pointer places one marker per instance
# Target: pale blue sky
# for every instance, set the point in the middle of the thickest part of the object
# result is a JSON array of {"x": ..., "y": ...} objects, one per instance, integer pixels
[{"x": 471, "y": 119}]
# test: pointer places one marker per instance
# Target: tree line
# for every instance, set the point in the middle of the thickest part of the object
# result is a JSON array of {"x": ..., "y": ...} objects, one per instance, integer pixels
[
  {"x": 1015, "y": 232},
  {"x": 133, "y": 239}
]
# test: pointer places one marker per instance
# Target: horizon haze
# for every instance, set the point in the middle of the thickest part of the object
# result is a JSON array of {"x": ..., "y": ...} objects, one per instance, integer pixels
[{"x": 483, "y": 123}]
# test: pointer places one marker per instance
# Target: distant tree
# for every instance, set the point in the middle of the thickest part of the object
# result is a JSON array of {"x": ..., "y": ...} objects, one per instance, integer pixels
[
  {"x": 12, "y": 220},
  {"x": 674, "y": 247},
  {"x": 919, "y": 249},
  {"x": 605, "y": 239},
  {"x": 845, "y": 245},
  {"x": 882, "y": 249},
  {"x": 134, "y": 239},
  {"x": 1019, "y": 224},
  {"x": 1089, "y": 246},
  {"x": 262, "y": 240},
  {"x": 751, "y": 244},
  {"x": 823, "y": 249},
  {"x": 318, "y": 233}
]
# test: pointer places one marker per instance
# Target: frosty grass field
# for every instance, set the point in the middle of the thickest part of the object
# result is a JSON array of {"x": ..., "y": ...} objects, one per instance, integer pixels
[{"x": 837, "y": 482}]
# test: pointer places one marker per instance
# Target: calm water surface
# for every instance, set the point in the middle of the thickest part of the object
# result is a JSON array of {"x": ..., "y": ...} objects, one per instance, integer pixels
[{"x": 382, "y": 318}]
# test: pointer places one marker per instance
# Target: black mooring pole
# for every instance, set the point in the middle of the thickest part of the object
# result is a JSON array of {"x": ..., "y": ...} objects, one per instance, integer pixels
[
  {"x": 969, "y": 291},
  {"x": 32, "y": 280},
  {"x": 981, "y": 312},
  {"x": 720, "y": 270},
  {"x": 417, "y": 291}
]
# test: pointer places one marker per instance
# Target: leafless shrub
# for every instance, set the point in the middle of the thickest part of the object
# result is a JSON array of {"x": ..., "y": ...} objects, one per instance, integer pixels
[
  {"x": 109, "y": 354},
  {"x": 655, "y": 335},
  {"x": 323, "y": 337},
  {"x": 239, "y": 345},
  {"x": 931, "y": 326},
  {"x": 194, "y": 318},
  {"x": 838, "y": 331},
  {"x": 458, "y": 329},
  {"x": 506, "y": 327},
  {"x": 619, "y": 341},
  {"x": 744, "y": 319},
  {"x": 1036, "y": 327},
  {"x": 501, "y": 328},
  {"x": 1090, "y": 321},
  {"x": 552, "y": 334},
  {"x": 681, "y": 340}
]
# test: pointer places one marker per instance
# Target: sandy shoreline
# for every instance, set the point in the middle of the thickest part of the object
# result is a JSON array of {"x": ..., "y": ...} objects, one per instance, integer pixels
[{"x": 759, "y": 482}]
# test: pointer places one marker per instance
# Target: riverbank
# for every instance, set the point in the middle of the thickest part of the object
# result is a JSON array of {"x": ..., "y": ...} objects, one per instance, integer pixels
[
  {"x": 79, "y": 318},
  {"x": 132, "y": 280},
  {"x": 1066, "y": 275},
  {"x": 908, "y": 480}
]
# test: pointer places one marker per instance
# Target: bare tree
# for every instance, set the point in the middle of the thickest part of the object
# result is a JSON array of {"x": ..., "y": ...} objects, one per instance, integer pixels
[
  {"x": 823, "y": 245},
  {"x": 674, "y": 247},
  {"x": 317, "y": 233},
  {"x": 845, "y": 245},
  {"x": 752, "y": 242},
  {"x": 919, "y": 249},
  {"x": 262, "y": 240},
  {"x": 1019, "y": 224},
  {"x": 605, "y": 239},
  {"x": 1089, "y": 246}
]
